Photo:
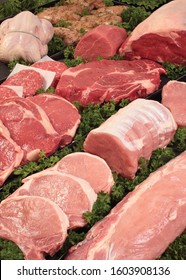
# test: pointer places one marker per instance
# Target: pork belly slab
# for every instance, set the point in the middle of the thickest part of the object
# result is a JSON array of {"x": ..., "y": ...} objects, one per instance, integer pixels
[
  {"x": 133, "y": 132},
  {"x": 174, "y": 98},
  {"x": 36, "y": 224},
  {"x": 144, "y": 223}
]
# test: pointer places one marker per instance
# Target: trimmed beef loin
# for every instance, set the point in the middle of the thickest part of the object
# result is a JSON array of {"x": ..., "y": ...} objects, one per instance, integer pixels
[
  {"x": 51, "y": 65},
  {"x": 144, "y": 223},
  {"x": 103, "y": 41},
  {"x": 10, "y": 154},
  {"x": 133, "y": 132},
  {"x": 36, "y": 224},
  {"x": 174, "y": 98},
  {"x": 29, "y": 127},
  {"x": 72, "y": 194},
  {"x": 29, "y": 79},
  {"x": 161, "y": 37},
  {"x": 88, "y": 167},
  {"x": 64, "y": 116},
  {"x": 100, "y": 81}
]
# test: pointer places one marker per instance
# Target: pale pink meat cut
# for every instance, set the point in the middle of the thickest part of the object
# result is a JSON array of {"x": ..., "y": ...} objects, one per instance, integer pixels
[
  {"x": 29, "y": 127},
  {"x": 174, "y": 98},
  {"x": 144, "y": 223},
  {"x": 159, "y": 37},
  {"x": 101, "y": 81},
  {"x": 6, "y": 92},
  {"x": 36, "y": 224},
  {"x": 88, "y": 167},
  {"x": 102, "y": 41},
  {"x": 10, "y": 154},
  {"x": 73, "y": 195},
  {"x": 64, "y": 116},
  {"x": 135, "y": 131}
]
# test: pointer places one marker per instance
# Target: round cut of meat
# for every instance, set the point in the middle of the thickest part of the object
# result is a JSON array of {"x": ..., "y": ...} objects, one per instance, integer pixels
[
  {"x": 29, "y": 79},
  {"x": 72, "y": 194},
  {"x": 51, "y": 65},
  {"x": 36, "y": 224},
  {"x": 88, "y": 167},
  {"x": 103, "y": 41}
]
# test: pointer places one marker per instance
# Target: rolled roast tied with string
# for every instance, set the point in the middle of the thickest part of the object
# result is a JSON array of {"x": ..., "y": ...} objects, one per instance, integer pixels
[
  {"x": 135, "y": 131},
  {"x": 24, "y": 36}
]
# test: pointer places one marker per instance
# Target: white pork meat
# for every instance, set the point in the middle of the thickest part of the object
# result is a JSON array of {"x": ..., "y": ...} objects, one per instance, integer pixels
[{"x": 144, "y": 223}]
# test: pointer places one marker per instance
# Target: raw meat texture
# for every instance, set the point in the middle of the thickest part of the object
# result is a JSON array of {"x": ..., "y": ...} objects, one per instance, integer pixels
[
  {"x": 88, "y": 167},
  {"x": 101, "y": 81},
  {"x": 72, "y": 194},
  {"x": 29, "y": 127},
  {"x": 157, "y": 39},
  {"x": 10, "y": 154},
  {"x": 56, "y": 66},
  {"x": 135, "y": 131},
  {"x": 25, "y": 36},
  {"x": 144, "y": 223},
  {"x": 27, "y": 220},
  {"x": 29, "y": 79},
  {"x": 103, "y": 41},
  {"x": 174, "y": 98},
  {"x": 6, "y": 92},
  {"x": 64, "y": 116}
]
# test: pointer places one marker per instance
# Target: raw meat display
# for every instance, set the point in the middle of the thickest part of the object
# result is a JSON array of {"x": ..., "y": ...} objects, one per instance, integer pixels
[
  {"x": 29, "y": 79},
  {"x": 55, "y": 66},
  {"x": 10, "y": 154},
  {"x": 29, "y": 127},
  {"x": 27, "y": 220},
  {"x": 159, "y": 37},
  {"x": 24, "y": 36},
  {"x": 135, "y": 131},
  {"x": 144, "y": 223},
  {"x": 64, "y": 116},
  {"x": 88, "y": 167},
  {"x": 6, "y": 92},
  {"x": 102, "y": 41},
  {"x": 174, "y": 98},
  {"x": 72, "y": 194},
  {"x": 100, "y": 81}
]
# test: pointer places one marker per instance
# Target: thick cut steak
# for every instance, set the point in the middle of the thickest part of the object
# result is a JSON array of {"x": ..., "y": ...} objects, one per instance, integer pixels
[
  {"x": 10, "y": 154},
  {"x": 72, "y": 194},
  {"x": 36, "y": 224},
  {"x": 29, "y": 127},
  {"x": 133, "y": 132},
  {"x": 64, "y": 116},
  {"x": 101, "y": 81},
  {"x": 144, "y": 223},
  {"x": 51, "y": 65},
  {"x": 88, "y": 167},
  {"x": 103, "y": 41},
  {"x": 159, "y": 37},
  {"x": 29, "y": 79},
  {"x": 174, "y": 98}
]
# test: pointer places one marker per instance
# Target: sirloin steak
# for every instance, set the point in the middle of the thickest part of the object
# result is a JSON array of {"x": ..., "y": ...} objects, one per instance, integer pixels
[
  {"x": 36, "y": 224},
  {"x": 174, "y": 98},
  {"x": 72, "y": 194},
  {"x": 161, "y": 37},
  {"x": 29, "y": 127},
  {"x": 101, "y": 81},
  {"x": 103, "y": 41},
  {"x": 10, "y": 154},
  {"x": 64, "y": 116},
  {"x": 144, "y": 223},
  {"x": 135, "y": 131}
]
